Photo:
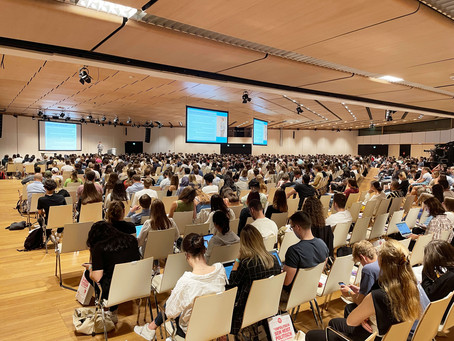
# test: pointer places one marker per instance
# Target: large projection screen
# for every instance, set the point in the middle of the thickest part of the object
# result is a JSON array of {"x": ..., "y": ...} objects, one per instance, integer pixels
[
  {"x": 260, "y": 132},
  {"x": 58, "y": 136},
  {"x": 206, "y": 126}
]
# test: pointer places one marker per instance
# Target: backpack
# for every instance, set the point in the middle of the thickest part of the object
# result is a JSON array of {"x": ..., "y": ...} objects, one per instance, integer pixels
[
  {"x": 34, "y": 240},
  {"x": 17, "y": 226}
]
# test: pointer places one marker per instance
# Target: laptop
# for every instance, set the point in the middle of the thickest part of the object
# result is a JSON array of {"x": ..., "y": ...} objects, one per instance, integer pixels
[
  {"x": 138, "y": 229},
  {"x": 426, "y": 222},
  {"x": 206, "y": 239},
  {"x": 404, "y": 229},
  {"x": 275, "y": 253},
  {"x": 228, "y": 266}
]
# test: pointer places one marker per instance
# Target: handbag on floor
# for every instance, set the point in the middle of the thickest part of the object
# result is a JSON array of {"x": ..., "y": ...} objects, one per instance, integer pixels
[{"x": 89, "y": 321}]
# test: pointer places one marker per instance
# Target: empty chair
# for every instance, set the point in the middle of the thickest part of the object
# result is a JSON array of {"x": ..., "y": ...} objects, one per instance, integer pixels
[
  {"x": 325, "y": 200},
  {"x": 396, "y": 218},
  {"x": 354, "y": 211},
  {"x": 370, "y": 208},
  {"x": 352, "y": 198},
  {"x": 382, "y": 207},
  {"x": 167, "y": 201},
  {"x": 225, "y": 253},
  {"x": 412, "y": 217},
  {"x": 280, "y": 219},
  {"x": 360, "y": 230},
  {"x": 211, "y": 317},
  {"x": 288, "y": 240},
  {"x": 197, "y": 228},
  {"x": 59, "y": 216},
  {"x": 417, "y": 255},
  {"x": 396, "y": 203},
  {"x": 182, "y": 219},
  {"x": 75, "y": 239},
  {"x": 340, "y": 234},
  {"x": 159, "y": 244},
  {"x": 292, "y": 206},
  {"x": 378, "y": 229},
  {"x": 408, "y": 203},
  {"x": 91, "y": 212}
]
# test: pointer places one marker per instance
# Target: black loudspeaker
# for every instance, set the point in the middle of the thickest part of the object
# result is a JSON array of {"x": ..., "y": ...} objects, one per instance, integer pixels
[
  {"x": 126, "y": 131},
  {"x": 1, "y": 124},
  {"x": 293, "y": 135},
  {"x": 147, "y": 135}
]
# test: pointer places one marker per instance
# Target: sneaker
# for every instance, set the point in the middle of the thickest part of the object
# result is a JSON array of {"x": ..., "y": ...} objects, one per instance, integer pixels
[
  {"x": 145, "y": 332},
  {"x": 113, "y": 316}
]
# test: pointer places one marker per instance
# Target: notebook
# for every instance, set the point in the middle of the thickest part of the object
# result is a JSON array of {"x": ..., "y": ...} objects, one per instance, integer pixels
[
  {"x": 403, "y": 229},
  {"x": 206, "y": 239}
]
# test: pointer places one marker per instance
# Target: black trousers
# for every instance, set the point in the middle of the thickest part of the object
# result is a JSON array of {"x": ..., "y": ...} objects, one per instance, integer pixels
[{"x": 340, "y": 325}]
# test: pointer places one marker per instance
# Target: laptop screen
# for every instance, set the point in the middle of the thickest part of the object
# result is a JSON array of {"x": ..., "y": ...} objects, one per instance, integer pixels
[
  {"x": 228, "y": 269},
  {"x": 138, "y": 229},
  {"x": 429, "y": 218},
  {"x": 206, "y": 239},
  {"x": 403, "y": 228},
  {"x": 276, "y": 254}
]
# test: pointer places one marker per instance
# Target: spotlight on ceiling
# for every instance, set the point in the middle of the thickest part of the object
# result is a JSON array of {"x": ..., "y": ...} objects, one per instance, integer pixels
[
  {"x": 246, "y": 97},
  {"x": 159, "y": 124},
  {"x": 40, "y": 113},
  {"x": 67, "y": 118},
  {"x": 129, "y": 121},
  {"x": 116, "y": 120},
  {"x": 84, "y": 76},
  {"x": 389, "y": 115},
  {"x": 33, "y": 117},
  {"x": 151, "y": 124},
  {"x": 299, "y": 110},
  {"x": 138, "y": 126},
  {"x": 171, "y": 125},
  {"x": 372, "y": 125},
  {"x": 82, "y": 120},
  {"x": 89, "y": 117},
  {"x": 338, "y": 130},
  {"x": 62, "y": 115},
  {"x": 180, "y": 123},
  {"x": 103, "y": 119}
]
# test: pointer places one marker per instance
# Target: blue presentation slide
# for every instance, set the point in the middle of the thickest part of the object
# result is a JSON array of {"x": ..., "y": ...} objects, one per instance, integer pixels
[
  {"x": 260, "y": 132},
  {"x": 60, "y": 136},
  {"x": 206, "y": 126}
]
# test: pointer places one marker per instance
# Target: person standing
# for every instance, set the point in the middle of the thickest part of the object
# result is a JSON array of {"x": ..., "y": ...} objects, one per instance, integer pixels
[{"x": 100, "y": 148}]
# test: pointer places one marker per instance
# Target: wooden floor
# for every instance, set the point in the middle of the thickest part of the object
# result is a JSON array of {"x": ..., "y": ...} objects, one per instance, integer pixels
[{"x": 34, "y": 307}]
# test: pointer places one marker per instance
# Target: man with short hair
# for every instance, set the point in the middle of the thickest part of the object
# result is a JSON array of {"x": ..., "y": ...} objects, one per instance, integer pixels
[
  {"x": 147, "y": 183},
  {"x": 342, "y": 215},
  {"x": 166, "y": 181},
  {"x": 144, "y": 203},
  {"x": 254, "y": 186},
  {"x": 44, "y": 204},
  {"x": 307, "y": 253},
  {"x": 136, "y": 186},
  {"x": 100, "y": 147},
  {"x": 265, "y": 226},
  {"x": 304, "y": 190},
  {"x": 67, "y": 167},
  {"x": 35, "y": 187},
  {"x": 209, "y": 188}
]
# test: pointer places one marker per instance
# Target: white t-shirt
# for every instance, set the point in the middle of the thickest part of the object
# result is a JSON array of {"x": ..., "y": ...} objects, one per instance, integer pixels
[
  {"x": 67, "y": 168},
  {"x": 151, "y": 193},
  {"x": 266, "y": 227},
  {"x": 338, "y": 218},
  {"x": 212, "y": 189}
]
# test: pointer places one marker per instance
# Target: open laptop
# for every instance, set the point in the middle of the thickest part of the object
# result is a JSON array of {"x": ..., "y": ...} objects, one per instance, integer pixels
[
  {"x": 275, "y": 253},
  {"x": 206, "y": 239},
  {"x": 138, "y": 229},
  {"x": 404, "y": 229},
  {"x": 426, "y": 223},
  {"x": 228, "y": 266}
]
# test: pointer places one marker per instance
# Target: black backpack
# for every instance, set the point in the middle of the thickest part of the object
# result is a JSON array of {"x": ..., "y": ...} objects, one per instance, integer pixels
[{"x": 34, "y": 240}]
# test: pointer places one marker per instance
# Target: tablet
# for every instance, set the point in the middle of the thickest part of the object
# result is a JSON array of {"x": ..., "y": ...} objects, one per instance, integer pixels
[
  {"x": 138, "y": 229},
  {"x": 276, "y": 254},
  {"x": 206, "y": 239},
  {"x": 403, "y": 229}
]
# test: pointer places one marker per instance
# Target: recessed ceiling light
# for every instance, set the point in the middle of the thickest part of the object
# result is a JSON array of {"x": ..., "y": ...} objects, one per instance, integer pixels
[
  {"x": 108, "y": 7},
  {"x": 390, "y": 78}
]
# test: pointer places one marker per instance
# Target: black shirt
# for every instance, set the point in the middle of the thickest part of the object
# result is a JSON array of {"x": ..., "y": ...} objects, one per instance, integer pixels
[
  {"x": 270, "y": 210},
  {"x": 124, "y": 226},
  {"x": 383, "y": 312},
  {"x": 50, "y": 200},
  {"x": 304, "y": 191},
  {"x": 64, "y": 193}
]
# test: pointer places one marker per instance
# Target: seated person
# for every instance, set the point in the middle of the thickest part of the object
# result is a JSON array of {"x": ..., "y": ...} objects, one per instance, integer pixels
[
  {"x": 36, "y": 186},
  {"x": 254, "y": 186},
  {"x": 266, "y": 227},
  {"x": 223, "y": 236},
  {"x": 209, "y": 188},
  {"x": 108, "y": 247},
  {"x": 217, "y": 204},
  {"x": 395, "y": 191},
  {"x": 352, "y": 187},
  {"x": 116, "y": 214},
  {"x": 144, "y": 203},
  {"x": 314, "y": 209},
  {"x": 253, "y": 263},
  {"x": 185, "y": 202},
  {"x": 203, "y": 280},
  {"x": 279, "y": 204},
  {"x": 342, "y": 215},
  {"x": 245, "y": 213},
  {"x": 147, "y": 183},
  {"x": 48, "y": 200},
  {"x": 89, "y": 195},
  {"x": 375, "y": 192}
]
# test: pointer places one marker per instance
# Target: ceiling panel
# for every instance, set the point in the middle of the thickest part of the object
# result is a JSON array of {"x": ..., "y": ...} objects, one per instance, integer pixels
[
  {"x": 159, "y": 45},
  {"x": 55, "y": 23},
  {"x": 433, "y": 74},
  {"x": 270, "y": 22},
  {"x": 407, "y": 96}
]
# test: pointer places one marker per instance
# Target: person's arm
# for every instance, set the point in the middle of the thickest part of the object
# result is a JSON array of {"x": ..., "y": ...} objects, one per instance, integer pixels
[
  {"x": 361, "y": 313},
  {"x": 178, "y": 300},
  {"x": 173, "y": 207},
  {"x": 194, "y": 210},
  {"x": 289, "y": 274},
  {"x": 291, "y": 193},
  {"x": 352, "y": 291}
]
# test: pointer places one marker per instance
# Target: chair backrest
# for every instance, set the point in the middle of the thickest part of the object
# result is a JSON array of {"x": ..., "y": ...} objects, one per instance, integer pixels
[
  {"x": 412, "y": 216},
  {"x": 292, "y": 206},
  {"x": 424, "y": 216},
  {"x": 30, "y": 169},
  {"x": 269, "y": 242},
  {"x": 354, "y": 211},
  {"x": 398, "y": 331},
  {"x": 325, "y": 200},
  {"x": 225, "y": 253},
  {"x": 34, "y": 201},
  {"x": 448, "y": 322},
  {"x": 341, "y": 271},
  {"x": 182, "y": 219},
  {"x": 90, "y": 212},
  {"x": 378, "y": 229},
  {"x": 176, "y": 266},
  {"x": 383, "y": 206},
  {"x": 211, "y": 316},
  {"x": 427, "y": 327},
  {"x": 263, "y": 299},
  {"x": 123, "y": 288},
  {"x": 370, "y": 208},
  {"x": 280, "y": 219},
  {"x": 128, "y": 219},
  {"x": 271, "y": 192},
  {"x": 360, "y": 230},
  {"x": 197, "y": 228},
  {"x": 340, "y": 234},
  {"x": 69, "y": 200},
  {"x": 408, "y": 202},
  {"x": 236, "y": 210},
  {"x": 234, "y": 225},
  {"x": 289, "y": 239},
  {"x": 396, "y": 218},
  {"x": 362, "y": 196},
  {"x": 144, "y": 218},
  {"x": 244, "y": 192},
  {"x": 167, "y": 201},
  {"x": 417, "y": 255},
  {"x": 405, "y": 242},
  {"x": 305, "y": 286},
  {"x": 59, "y": 216},
  {"x": 75, "y": 238},
  {"x": 249, "y": 220},
  {"x": 159, "y": 243},
  {"x": 353, "y": 197},
  {"x": 395, "y": 205}
]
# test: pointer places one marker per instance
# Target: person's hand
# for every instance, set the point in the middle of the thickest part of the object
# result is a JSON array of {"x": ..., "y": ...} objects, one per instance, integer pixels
[
  {"x": 354, "y": 288},
  {"x": 414, "y": 236},
  {"x": 87, "y": 265},
  {"x": 345, "y": 290},
  {"x": 366, "y": 325},
  {"x": 135, "y": 208}
]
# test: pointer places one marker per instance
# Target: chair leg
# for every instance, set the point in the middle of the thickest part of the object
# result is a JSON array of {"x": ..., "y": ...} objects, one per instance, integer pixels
[
  {"x": 57, "y": 258},
  {"x": 319, "y": 313},
  {"x": 313, "y": 312},
  {"x": 138, "y": 311},
  {"x": 157, "y": 312},
  {"x": 104, "y": 323},
  {"x": 149, "y": 307}
]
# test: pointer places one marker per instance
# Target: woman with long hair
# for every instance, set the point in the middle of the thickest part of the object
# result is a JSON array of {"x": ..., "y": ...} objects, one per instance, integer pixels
[
  {"x": 110, "y": 184},
  {"x": 174, "y": 180},
  {"x": 89, "y": 195},
  {"x": 223, "y": 235},
  {"x": 439, "y": 222},
  {"x": 108, "y": 247},
  {"x": 158, "y": 221},
  {"x": 217, "y": 204},
  {"x": 253, "y": 263},
  {"x": 403, "y": 183},
  {"x": 352, "y": 187},
  {"x": 72, "y": 179},
  {"x": 118, "y": 194},
  {"x": 185, "y": 202},
  {"x": 397, "y": 299},
  {"x": 375, "y": 192},
  {"x": 116, "y": 215},
  {"x": 202, "y": 200},
  {"x": 203, "y": 280},
  {"x": 279, "y": 203}
]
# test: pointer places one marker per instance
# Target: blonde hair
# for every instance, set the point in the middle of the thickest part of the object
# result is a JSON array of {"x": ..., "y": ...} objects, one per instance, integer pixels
[
  {"x": 398, "y": 281},
  {"x": 253, "y": 248},
  {"x": 365, "y": 248}
]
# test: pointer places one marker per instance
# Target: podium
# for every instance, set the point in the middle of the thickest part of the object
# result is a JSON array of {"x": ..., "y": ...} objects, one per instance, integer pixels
[{"x": 112, "y": 151}]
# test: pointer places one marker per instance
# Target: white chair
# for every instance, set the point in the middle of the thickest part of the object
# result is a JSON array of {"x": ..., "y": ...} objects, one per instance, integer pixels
[
  {"x": 341, "y": 271},
  {"x": 234, "y": 225},
  {"x": 144, "y": 218},
  {"x": 75, "y": 239},
  {"x": 236, "y": 210},
  {"x": 352, "y": 198},
  {"x": 382, "y": 207},
  {"x": 424, "y": 216},
  {"x": 354, "y": 211},
  {"x": 448, "y": 323},
  {"x": 417, "y": 255},
  {"x": 288, "y": 240},
  {"x": 90, "y": 212},
  {"x": 396, "y": 203},
  {"x": 325, "y": 200},
  {"x": 369, "y": 208},
  {"x": 292, "y": 206},
  {"x": 378, "y": 229},
  {"x": 211, "y": 317},
  {"x": 33, "y": 204},
  {"x": 202, "y": 229},
  {"x": 412, "y": 217},
  {"x": 340, "y": 234},
  {"x": 225, "y": 253},
  {"x": 182, "y": 219},
  {"x": 269, "y": 242},
  {"x": 396, "y": 218},
  {"x": 360, "y": 230},
  {"x": 159, "y": 244},
  {"x": 168, "y": 201},
  {"x": 408, "y": 203},
  {"x": 59, "y": 216},
  {"x": 280, "y": 219}
]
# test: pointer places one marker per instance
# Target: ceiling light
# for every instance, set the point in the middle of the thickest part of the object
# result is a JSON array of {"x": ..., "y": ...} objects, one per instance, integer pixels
[
  {"x": 103, "y": 119},
  {"x": 89, "y": 117},
  {"x": 129, "y": 121},
  {"x": 33, "y": 117},
  {"x": 108, "y": 7},
  {"x": 390, "y": 78},
  {"x": 180, "y": 123},
  {"x": 420, "y": 116},
  {"x": 84, "y": 76},
  {"x": 299, "y": 111},
  {"x": 116, "y": 120},
  {"x": 62, "y": 115},
  {"x": 246, "y": 97},
  {"x": 67, "y": 118},
  {"x": 159, "y": 124},
  {"x": 40, "y": 113},
  {"x": 171, "y": 125}
]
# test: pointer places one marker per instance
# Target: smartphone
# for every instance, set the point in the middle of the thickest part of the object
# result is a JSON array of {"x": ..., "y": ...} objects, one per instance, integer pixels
[{"x": 341, "y": 283}]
